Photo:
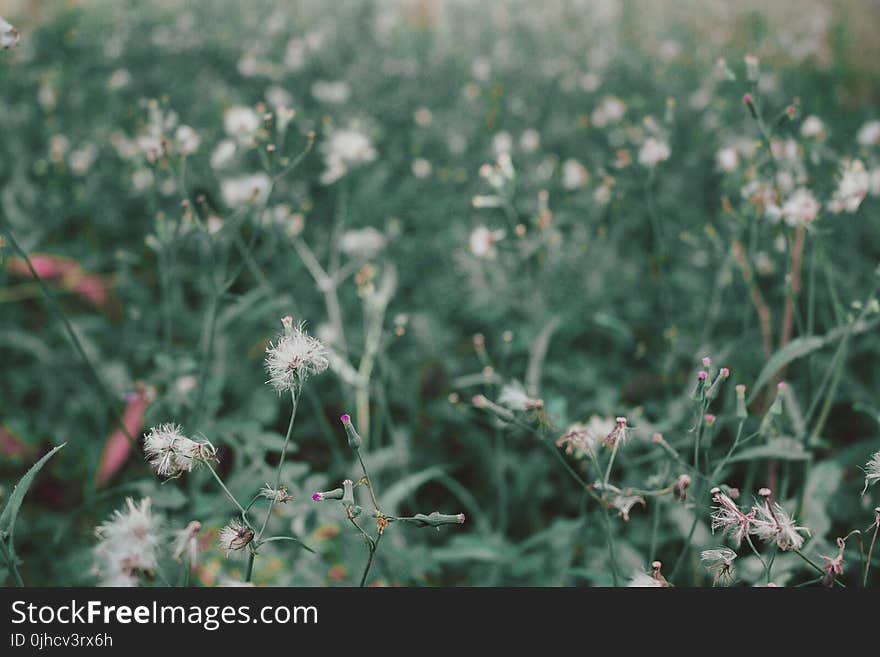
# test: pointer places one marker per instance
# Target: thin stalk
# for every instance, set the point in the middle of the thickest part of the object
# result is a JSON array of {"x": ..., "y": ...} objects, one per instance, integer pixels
[
  {"x": 871, "y": 551},
  {"x": 295, "y": 400},
  {"x": 231, "y": 497}
]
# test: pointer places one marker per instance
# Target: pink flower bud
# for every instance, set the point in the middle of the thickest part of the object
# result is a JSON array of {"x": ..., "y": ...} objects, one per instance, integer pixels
[
  {"x": 709, "y": 418},
  {"x": 724, "y": 372},
  {"x": 703, "y": 375},
  {"x": 707, "y": 361}
]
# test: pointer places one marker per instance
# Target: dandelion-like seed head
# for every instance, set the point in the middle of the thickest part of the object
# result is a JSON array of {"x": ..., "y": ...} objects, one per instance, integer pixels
[
  {"x": 293, "y": 358},
  {"x": 728, "y": 518},
  {"x": 771, "y": 523},
  {"x": 234, "y": 536},
  {"x": 872, "y": 471},
  {"x": 719, "y": 562},
  {"x": 171, "y": 453},
  {"x": 619, "y": 434},
  {"x": 278, "y": 495},
  {"x": 128, "y": 544}
]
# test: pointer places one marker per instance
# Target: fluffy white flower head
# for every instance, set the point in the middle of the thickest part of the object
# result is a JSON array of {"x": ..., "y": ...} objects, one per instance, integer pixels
[
  {"x": 294, "y": 357},
  {"x": 128, "y": 544},
  {"x": 172, "y": 453}
]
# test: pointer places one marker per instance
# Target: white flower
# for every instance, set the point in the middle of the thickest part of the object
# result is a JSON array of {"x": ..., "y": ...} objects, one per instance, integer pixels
[
  {"x": 801, "y": 208},
  {"x": 653, "y": 152},
  {"x": 279, "y": 97},
  {"x": 719, "y": 562},
  {"x": 128, "y": 545},
  {"x": 502, "y": 142},
  {"x": 872, "y": 471},
  {"x": 813, "y": 127},
  {"x": 222, "y": 153},
  {"x": 81, "y": 159},
  {"x": 851, "y": 189},
  {"x": 187, "y": 139},
  {"x": 514, "y": 396},
  {"x": 245, "y": 189},
  {"x": 482, "y": 241},
  {"x": 9, "y": 36},
  {"x": 171, "y": 453},
  {"x": 234, "y": 536},
  {"x": 241, "y": 123},
  {"x": 644, "y": 580},
  {"x": 294, "y": 357},
  {"x": 295, "y": 55},
  {"x": 119, "y": 79},
  {"x": 421, "y": 167},
  {"x": 333, "y": 93},
  {"x": 344, "y": 150},
  {"x": 574, "y": 174},
  {"x": 530, "y": 140},
  {"x": 727, "y": 159},
  {"x": 869, "y": 133},
  {"x": 364, "y": 243},
  {"x": 772, "y": 523},
  {"x": 610, "y": 110}
]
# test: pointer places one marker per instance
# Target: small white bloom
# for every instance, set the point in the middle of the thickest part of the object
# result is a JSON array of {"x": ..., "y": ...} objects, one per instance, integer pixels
[
  {"x": 128, "y": 544},
  {"x": 223, "y": 153},
  {"x": 171, "y": 453},
  {"x": 295, "y": 55},
  {"x": 120, "y": 79},
  {"x": 9, "y": 36},
  {"x": 851, "y": 189},
  {"x": 187, "y": 139},
  {"x": 421, "y": 167},
  {"x": 344, "y": 150},
  {"x": 869, "y": 134},
  {"x": 727, "y": 159},
  {"x": 293, "y": 358},
  {"x": 502, "y": 142},
  {"x": 332, "y": 93},
  {"x": 653, "y": 151},
  {"x": 610, "y": 110},
  {"x": 245, "y": 189},
  {"x": 530, "y": 140},
  {"x": 513, "y": 395},
  {"x": 574, "y": 174},
  {"x": 801, "y": 208},
  {"x": 812, "y": 127},
  {"x": 482, "y": 241},
  {"x": 234, "y": 536},
  {"x": 82, "y": 159},
  {"x": 241, "y": 123},
  {"x": 279, "y": 97},
  {"x": 364, "y": 243}
]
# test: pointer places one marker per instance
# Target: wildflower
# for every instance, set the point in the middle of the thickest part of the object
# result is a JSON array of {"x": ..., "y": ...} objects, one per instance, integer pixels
[
  {"x": 9, "y": 36},
  {"x": 741, "y": 411},
  {"x": 514, "y": 396},
  {"x": 584, "y": 438},
  {"x": 872, "y": 471},
  {"x": 574, "y": 174},
  {"x": 801, "y": 208},
  {"x": 719, "y": 562},
  {"x": 709, "y": 419},
  {"x": 625, "y": 503},
  {"x": 364, "y": 243},
  {"x": 335, "y": 494},
  {"x": 727, "y": 159},
  {"x": 834, "y": 565},
  {"x": 653, "y": 151},
  {"x": 772, "y": 523},
  {"x": 241, "y": 123},
  {"x": 502, "y": 143},
  {"x": 222, "y": 153},
  {"x": 345, "y": 150},
  {"x": 869, "y": 134},
  {"x": 245, "y": 189},
  {"x": 187, "y": 139},
  {"x": 851, "y": 189},
  {"x": 728, "y": 517},
  {"x": 171, "y": 453},
  {"x": 278, "y": 495},
  {"x": 333, "y": 92},
  {"x": 421, "y": 168},
  {"x": 653, "y": 579},
  {"x": 681, "y": 485},
  {"x": 293, "y": 358},
  {"x": 128, "y": 544},
  {"x": 812, "y": 127},
  {"x": 530, "y": 140},
  {"x": 618, "y": 434},
  {"x": 482, "y": 241},
  {"x": 186, "y": 543},
  {"x": 354, "y": 438},
  {"x": 610, "y": 110},
  {"x": 234, "y": 536}
]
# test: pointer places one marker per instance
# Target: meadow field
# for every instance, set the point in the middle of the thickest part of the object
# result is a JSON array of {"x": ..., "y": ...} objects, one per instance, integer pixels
[{"x": 439, "y": 293}]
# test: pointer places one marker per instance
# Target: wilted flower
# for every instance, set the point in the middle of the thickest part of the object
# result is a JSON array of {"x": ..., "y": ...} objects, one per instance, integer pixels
[
  {"x": 834, "y": 565},
  {"x": 278, "y": 495},
  {"x": 618, "y": 434},
  {"x": 128, "y": 544},
  {"x": 186, "y": 543},
  {"x": 234, "y": 536},
  {"x": 584, "y": 438},
  {"x": 680, "y": 487},
  {"x": 514, "y": 396},
  {"x": 624, "y": 504},
  {"x": 293, "y": 358},
  {"x": 719, "y": 562},
  {"x": 728, "y": 517},
  {"x": 772, "y": 523},
  {"x": 9, "y": 36},
  {"x": 171, "y": 453}
]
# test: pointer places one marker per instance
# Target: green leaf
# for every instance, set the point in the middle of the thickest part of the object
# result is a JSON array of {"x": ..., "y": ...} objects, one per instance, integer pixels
[
  {"x": 781, "y": 449},
  {"x": 10, "y": 511},
  {"x": 797, "y": 348}
]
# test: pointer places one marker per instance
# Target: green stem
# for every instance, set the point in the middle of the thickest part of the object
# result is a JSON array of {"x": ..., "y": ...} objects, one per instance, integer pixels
[{"x": 295, "y": 400}]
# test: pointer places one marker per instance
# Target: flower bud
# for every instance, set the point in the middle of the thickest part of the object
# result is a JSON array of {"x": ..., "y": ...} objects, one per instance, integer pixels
[
  {"x": 436, "y": 519},
  {"x": 354, "y": 439},
  {"x": 335, "y": 494},
  {"x": 776, "y": 407},
  {"x": 348, "y": 493},
  {"x": 741, "y": 411}
]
